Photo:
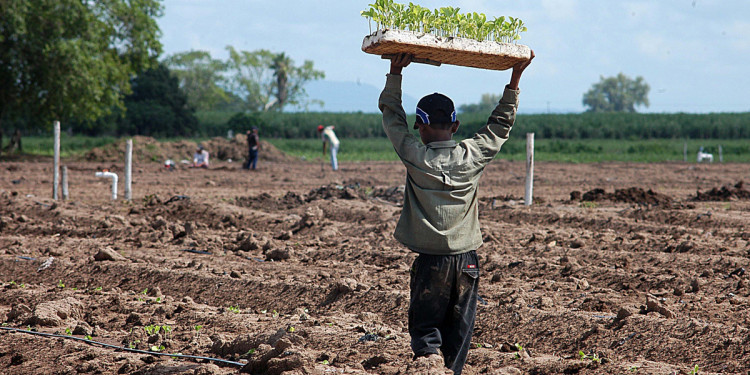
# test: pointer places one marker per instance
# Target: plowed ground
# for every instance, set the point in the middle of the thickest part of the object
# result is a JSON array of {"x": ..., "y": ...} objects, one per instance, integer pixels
[{"x": 293, "y": 269}]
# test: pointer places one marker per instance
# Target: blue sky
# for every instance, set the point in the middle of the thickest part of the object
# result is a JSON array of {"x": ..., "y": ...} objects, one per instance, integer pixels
[{"x": 695, "y": 54}]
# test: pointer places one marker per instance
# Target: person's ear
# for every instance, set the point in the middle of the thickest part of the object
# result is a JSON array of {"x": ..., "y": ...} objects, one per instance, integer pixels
[{"x": 454, "y": 127}]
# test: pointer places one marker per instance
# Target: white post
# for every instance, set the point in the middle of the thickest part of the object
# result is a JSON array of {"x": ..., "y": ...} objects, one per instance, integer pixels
[
  {"x": 128, "y": 169},
  {"x": 684, "y": 152},
  {"x": 528, "y": 197},
  {"x": 721, "y": 155},
  {"x": 65, "y": 183},
  {"x": 56, "y": 171}
]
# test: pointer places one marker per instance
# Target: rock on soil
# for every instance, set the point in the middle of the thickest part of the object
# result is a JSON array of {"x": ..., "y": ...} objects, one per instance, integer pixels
[
  {"x": 109, "y": 254},
  {"x": 56, "y": 313}
]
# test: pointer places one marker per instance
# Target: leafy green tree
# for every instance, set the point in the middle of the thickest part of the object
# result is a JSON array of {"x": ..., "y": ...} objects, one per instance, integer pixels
[
  {"x": 72, "y": 59},
  {"x": 202, "y": 79},
  {"x": 617, "y": 94},
  {"x": 157, "y": 106},
  {"x": 486, "y": 104},
  {"x": 269, "y": 81}
]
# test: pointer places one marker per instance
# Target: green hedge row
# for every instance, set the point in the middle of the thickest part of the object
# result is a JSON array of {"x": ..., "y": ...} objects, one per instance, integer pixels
[{"x": 549, "y": 126}]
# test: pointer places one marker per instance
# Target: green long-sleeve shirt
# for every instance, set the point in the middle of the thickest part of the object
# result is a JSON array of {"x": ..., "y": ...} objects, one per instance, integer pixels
[{"x": 440, "y": 214}]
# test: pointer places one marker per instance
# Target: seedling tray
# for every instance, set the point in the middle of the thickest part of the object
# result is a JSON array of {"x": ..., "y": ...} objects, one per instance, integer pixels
[{"x": 433, "y": 49}]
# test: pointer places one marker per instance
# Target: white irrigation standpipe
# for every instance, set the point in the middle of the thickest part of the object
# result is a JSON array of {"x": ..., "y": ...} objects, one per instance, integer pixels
[
  {"x": 56, "y": 171},
  {"x": 128, "y": 169},
  {"x": 528, "y": 197},
  {"x": 113, "y": 176},
  {"x": 65, "y": 183},
  {"x": 684, "y": 152}
]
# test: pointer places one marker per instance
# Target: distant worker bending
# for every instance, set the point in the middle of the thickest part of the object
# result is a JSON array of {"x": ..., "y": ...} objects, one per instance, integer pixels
[
  {"x": 330, "y": 139},
  {"x": 200, "y": 158}
]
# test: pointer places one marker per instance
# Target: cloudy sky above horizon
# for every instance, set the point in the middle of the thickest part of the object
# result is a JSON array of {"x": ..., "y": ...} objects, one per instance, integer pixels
[{"x": 693, "y": 53}]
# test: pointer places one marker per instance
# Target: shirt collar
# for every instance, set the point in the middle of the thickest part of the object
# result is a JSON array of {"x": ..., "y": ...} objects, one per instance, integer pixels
[{"x": 442, "y": 144}]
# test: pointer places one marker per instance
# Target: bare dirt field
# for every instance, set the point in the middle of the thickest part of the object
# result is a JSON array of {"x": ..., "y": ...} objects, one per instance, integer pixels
[{"x": 292, "y": 269}]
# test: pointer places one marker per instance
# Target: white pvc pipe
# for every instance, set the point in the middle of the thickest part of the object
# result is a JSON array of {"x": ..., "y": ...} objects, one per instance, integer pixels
[
  {"x": 113, "y": 176},
  {"x": 65, "y": 183},
  {"x": 56, "y": 162},
  {"x": 529, "y": 193},
  {"x": 128, "y": 169}
]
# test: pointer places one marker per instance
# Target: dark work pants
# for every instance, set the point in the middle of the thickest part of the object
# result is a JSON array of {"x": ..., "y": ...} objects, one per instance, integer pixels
[
  {"x": 252, "y": 159},
  {"x": 443, "y": 305}
]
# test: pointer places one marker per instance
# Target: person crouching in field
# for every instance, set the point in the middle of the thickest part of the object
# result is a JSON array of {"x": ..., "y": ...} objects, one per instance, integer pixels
[
  {"x": 200, "y": 158},
  {"x": 440, "y": 218}
]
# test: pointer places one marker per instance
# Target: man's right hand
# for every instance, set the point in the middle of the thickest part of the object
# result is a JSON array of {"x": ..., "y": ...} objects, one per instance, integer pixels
[
  {"x": 400, "y": 61},
  {"x": 518, "y": 69}
]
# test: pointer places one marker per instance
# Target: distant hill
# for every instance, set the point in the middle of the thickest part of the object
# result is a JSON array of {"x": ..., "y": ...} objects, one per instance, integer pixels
[{"x": 349, "y": 97}]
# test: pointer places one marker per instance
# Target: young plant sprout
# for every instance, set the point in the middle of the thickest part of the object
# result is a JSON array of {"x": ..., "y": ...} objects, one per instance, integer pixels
[{"x": 444, "y": 22}]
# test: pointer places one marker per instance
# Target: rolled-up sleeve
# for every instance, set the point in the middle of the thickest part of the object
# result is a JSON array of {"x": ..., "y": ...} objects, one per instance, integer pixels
[{"x": 394, "y": 120}]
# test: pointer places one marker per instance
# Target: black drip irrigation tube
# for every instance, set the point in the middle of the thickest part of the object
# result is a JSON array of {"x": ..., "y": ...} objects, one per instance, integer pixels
[{"x": 194, "y": 357}]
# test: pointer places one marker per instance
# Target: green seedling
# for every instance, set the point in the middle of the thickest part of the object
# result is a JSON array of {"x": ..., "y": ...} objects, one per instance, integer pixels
[
  {"x": 197, "y": 328},
  {"x": 593, "y": 358},
  {"x": 145, "y": 291},
  {"x": 167, "y": 330},
  {"x": 98, "y": 288},
  {"x": 133, "y": 344},
  {"x": 151, "y": 329},
  {"x": 290, "y": 329},
  {"x": 158, "y": 300},
  {"x": 68, "y": 331},
  {"x": 588, "y": 204},
  {"x": 88, "y": 337},
  {"x": 519, "y": 350},
  {"x": 694, "y": 371},
  {"x": 633, "y": 369},
  {"x": 275, "y": 314},
  {"x": 233, "y": 309},
  {"x": 325, "y": 362},
  {"x": 155, "y": 348},
  {"x": 60, "y": 284}
]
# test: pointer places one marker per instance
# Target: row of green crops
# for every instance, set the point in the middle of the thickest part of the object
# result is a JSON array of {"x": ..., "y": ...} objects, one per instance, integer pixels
[{"x": 445, "y": 21}]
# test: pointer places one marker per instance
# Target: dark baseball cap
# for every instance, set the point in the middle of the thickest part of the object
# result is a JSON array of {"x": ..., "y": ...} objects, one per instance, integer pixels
[{"x": 435, "y": 108}]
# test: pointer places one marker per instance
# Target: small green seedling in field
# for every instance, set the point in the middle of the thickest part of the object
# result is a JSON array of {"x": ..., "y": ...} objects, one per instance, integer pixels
[
  {"x": 633, "y": 369},
  {"x": 694, "y": 371},
  {"x": 68, "y": 331},
  {"x": 250, "y": 352},
  {"x": 593, "y": 358},
  {"x": 325, "y": 362},
  {"x": 98, "y": 288},
  {"x": 155, "y": 348},
  {"x": 291, "y": 329},
  {"x": 88, "y": 337},
  {"x": 60, "y": 284},
  {"x": 197, "y": 328},
  {"x": 151, "y": 329},
  {"x": 588, "y": 204},
  {"x": 275, "y": 314},
  {"x": 167, "y": 330},
  {"x": 133, "y": 344},
  {"x": 519, "y": 350},
  {"x": 233, "y": 309}
]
